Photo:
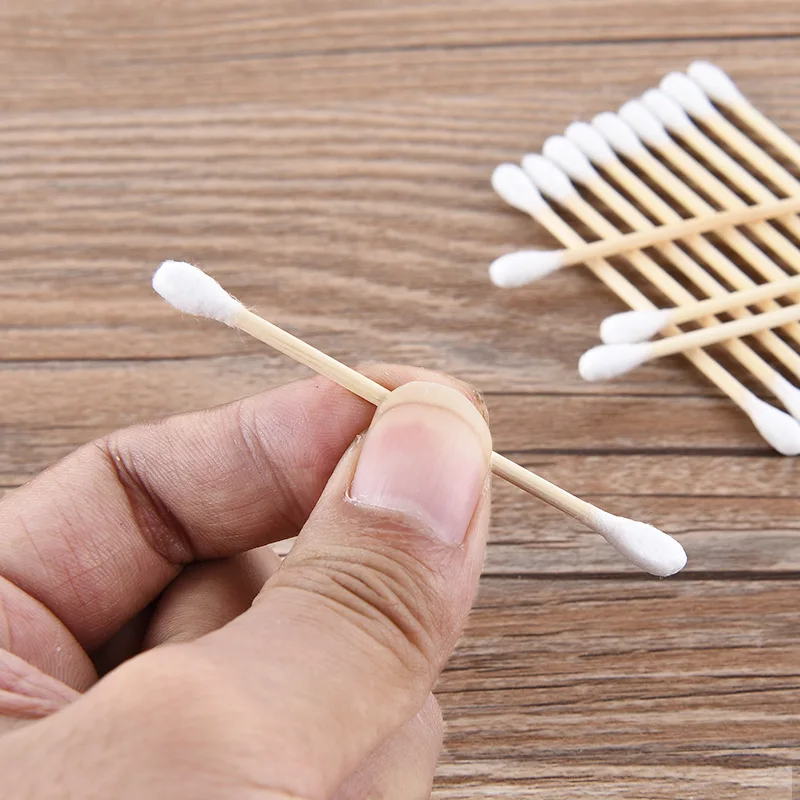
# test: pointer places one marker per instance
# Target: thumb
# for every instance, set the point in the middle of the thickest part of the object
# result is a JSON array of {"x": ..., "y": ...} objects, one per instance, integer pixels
[{"x": 348, "y": 638}]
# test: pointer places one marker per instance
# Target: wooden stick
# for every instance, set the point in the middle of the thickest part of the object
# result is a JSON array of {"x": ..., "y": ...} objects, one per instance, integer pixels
[
  {"x": 642, "y": 239},
  {"x": 728, "y": 199},
  {"x": 662, "y": 280},
  {"x": 720, "y": 333},
  {"x": 734, "y": 300},
  {"x": 717, "y": 260},
  {"x": 766, "y": 128},
  {"x": 737, "y": 102},
  {"x": 374, "y": 393}
]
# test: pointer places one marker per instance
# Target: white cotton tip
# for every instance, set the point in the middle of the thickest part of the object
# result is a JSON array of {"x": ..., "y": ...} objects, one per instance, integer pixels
[
  {"x": 548, "y": 178},
  {"x": 668, "y": 112},
  {"x": 618, "y": 134},
  {"x": 191, "y": 291},
  {"x": 591, "y": 143},
  {"x": 631, "y": 327},
  {"x": 779, "y": 430},
  {"x": 644, "y": 122},
  {"x": 685, "y": 91},
  {"x": 716, "y": 83},
  {"x": 787, "y": 393},
  {"x": 525, "y": 266},
  {"x": 515, "y": 187},
  {"x": 566, "y": 155},
  {"x": 649, "y": 548},
  {"x": 608, "y": 361}
]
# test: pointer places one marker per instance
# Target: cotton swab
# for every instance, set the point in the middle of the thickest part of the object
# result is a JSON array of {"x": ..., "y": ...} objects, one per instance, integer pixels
[
  {"x": 777, "y": 428},
  {"x": 629, "y": 327},
  {"x": 554, "y": 182},
  {"x": 590, "y": 140},
  {"x": 671, "y": 113},
  {"x": 611, "y": 360},
  {"x": 526, "y": 266},
  {"x": 721, "y": 89},
  {"x": 569, "y": 158},
  {"x": 192, "y": 291},
  {"x": 606, "y": 361},
  {"x": 654, "y": 134},
  {"x": 622, "y": 135},
  {"x": 716, "y": 83},
  {"x": 693, "y": 99}
]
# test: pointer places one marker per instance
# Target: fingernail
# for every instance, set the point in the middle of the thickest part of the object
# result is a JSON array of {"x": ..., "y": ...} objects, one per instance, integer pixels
[{"x": 426, "y": 456}]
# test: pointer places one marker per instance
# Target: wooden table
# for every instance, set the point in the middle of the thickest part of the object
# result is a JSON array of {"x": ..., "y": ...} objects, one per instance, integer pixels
[{"x": 330, "y": 162}]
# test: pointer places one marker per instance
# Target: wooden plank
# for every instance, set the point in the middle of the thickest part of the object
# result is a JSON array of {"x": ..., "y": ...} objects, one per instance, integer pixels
[
  {"x": 519, "y": 778},
  {"x": 523, "y": 80},
  {"x": 209, "y": 29},
  {"x": 487, "y": 343},
  {"x": 581, "y": 688},
  {"x": 188, "y": 53}
]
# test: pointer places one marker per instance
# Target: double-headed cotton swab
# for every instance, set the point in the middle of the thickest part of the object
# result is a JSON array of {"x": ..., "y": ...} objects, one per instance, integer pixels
[
  {"x": 553, "y": 182},
  {"x": 517, "y": 269},
  {"x": 569, "y": 158},
  {"x": 590, "y": 141},
  {"x": 693, "y": 99},
  {"x": 612, "y": 360},
  {"x": 629, "y": 327},
  {"x": 654, "y": 134},
  {"x": 626, "y": 142},
  {"x": 676, "y": 119},
  {"x": 778, "y": 428},
  {"x": 721, "y": 89},
  {"x": 192, "y": 291}
]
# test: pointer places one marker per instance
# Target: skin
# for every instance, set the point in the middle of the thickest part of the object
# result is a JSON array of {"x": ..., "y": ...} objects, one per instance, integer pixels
[{"x": 153, "y": 645}]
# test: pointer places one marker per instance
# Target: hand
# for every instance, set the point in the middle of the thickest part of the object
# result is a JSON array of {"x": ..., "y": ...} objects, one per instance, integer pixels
[{"x": 229, "y": 674}]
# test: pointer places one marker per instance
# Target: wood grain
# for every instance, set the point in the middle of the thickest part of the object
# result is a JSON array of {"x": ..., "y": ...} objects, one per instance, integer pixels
[{"x": 329, "y": 162}]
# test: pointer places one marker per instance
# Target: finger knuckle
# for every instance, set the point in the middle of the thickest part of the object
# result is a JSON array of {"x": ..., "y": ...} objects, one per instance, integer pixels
[{"x": 128, "y": 468}]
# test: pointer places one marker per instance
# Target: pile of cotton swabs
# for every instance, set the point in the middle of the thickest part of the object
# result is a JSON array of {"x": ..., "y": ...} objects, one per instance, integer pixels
[{"x": 677, "y": 138}]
